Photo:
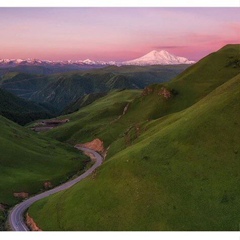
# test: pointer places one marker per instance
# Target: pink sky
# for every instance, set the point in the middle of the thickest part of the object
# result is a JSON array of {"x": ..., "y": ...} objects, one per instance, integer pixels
[{"x": 115, "y": 33}]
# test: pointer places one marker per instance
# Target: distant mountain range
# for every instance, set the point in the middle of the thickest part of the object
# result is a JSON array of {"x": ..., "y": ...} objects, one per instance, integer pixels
[
  {"x": 60, "y": 90},
  {"x": 154, "y": 57},
  {"x": 37, "y": 62}
]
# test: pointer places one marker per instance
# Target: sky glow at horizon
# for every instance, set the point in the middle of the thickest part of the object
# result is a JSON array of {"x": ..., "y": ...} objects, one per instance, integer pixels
[{"x": 115, "y": 33}]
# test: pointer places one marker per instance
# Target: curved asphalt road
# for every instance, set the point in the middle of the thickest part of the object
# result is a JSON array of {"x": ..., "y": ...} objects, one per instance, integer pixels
[{"x": 16, "y": 216}]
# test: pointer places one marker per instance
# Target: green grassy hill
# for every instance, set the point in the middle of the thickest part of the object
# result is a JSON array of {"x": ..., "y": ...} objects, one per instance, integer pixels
[
  {"x": 96, "y": 120},
  {"x": 23, "y": 84},
  {"x": 82, "y": 102},
  {"x": 27, "y": 160},
  {"x": 179, "y": 172},
  {"x": 20, "y": 110}
]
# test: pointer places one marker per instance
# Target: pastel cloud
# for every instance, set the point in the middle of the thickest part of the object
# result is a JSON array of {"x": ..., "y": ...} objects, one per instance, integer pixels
[{"x": 115, "y": 33}]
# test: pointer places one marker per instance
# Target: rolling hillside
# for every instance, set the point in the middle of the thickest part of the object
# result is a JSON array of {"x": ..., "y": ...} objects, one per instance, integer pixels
[
  {"x": 19, "y": 110},
  {"x": 23, "y": 84},
  {"x": 29, "y": 160},
  {"x": 99, "y": 119},
  {"x": 67, "y": 88},
  {"x": 82, "y": 102},
  {"x": 60, "y": 90},
  {"x": 180, "y": 172}
]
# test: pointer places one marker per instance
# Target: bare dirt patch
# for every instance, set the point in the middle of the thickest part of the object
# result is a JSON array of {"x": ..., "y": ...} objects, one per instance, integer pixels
[
  {"x": 22, "y": 195},
  {"x": 48, "y": 185},
  {"x": 31, "y": 224},
  {"x": 96, "y": 145}
]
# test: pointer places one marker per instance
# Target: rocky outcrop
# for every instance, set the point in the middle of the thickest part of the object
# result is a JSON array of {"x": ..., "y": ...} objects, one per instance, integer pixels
[
  {"x": 96, "y": 145},
  {"x": 31, "y": 224},
  {"x": 22, "y": 195},
  {"x": 47, "y": 185},
  {"x": 146, "y": 91},
  {"x": 165, "y": 93}
]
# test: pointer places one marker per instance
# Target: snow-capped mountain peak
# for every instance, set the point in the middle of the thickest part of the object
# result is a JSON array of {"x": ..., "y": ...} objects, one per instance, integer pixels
[
  {"x": 157, "y": 53},
  {"x": 158, "y": 57},
  {"x": 88, "y": 61},
  {"x": 19, "y": 60}
]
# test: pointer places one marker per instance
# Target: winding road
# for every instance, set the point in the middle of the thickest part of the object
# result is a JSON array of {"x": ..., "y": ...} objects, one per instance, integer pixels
[{"x": 16, "y": 215}]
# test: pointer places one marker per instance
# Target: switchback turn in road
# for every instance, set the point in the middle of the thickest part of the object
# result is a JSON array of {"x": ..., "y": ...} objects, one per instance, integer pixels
[{"x": 16, "y": 215}]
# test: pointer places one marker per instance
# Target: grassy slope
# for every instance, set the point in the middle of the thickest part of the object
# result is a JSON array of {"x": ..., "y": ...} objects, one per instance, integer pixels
[
  {"x": 27, "y": 160},
  {"x": 23, "y": 84},
  {"x": 10, "y": 102},
  {"x": 20, "y": 110},
  {"x": 95, "y": 120},
  {"x": 181, "y": 173},
  {"x": 82, "y": 102}
]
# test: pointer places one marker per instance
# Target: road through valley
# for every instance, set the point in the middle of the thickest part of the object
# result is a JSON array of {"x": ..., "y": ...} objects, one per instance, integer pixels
[{"x": 16, "y": 215}]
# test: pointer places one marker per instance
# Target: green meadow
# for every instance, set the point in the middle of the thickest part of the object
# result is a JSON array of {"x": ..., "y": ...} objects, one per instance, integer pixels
[{"x": 28, "y": 160}]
